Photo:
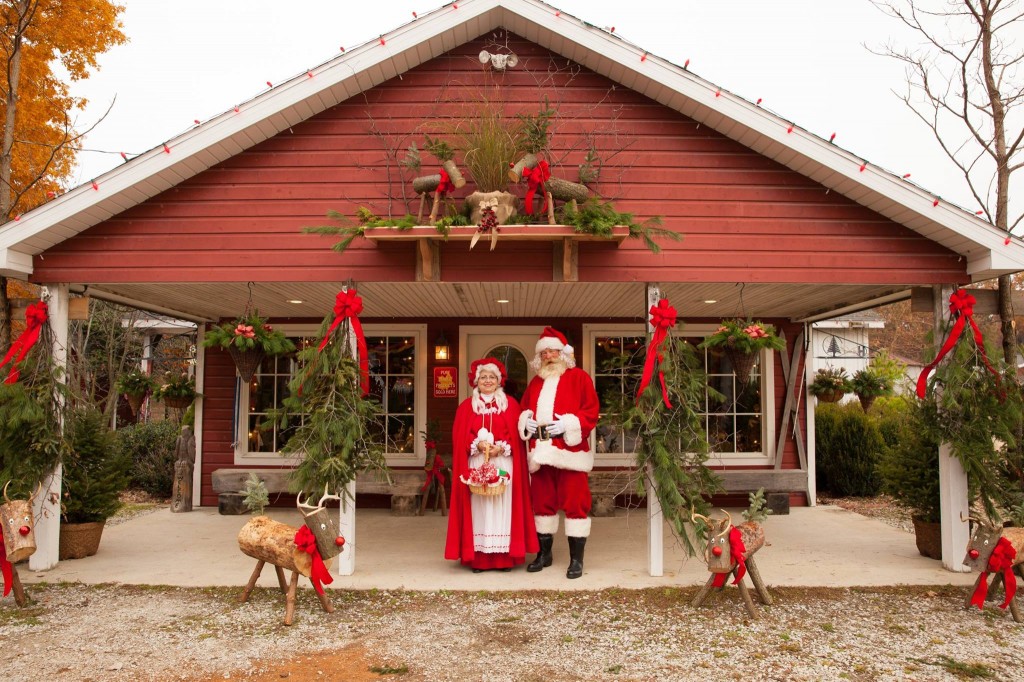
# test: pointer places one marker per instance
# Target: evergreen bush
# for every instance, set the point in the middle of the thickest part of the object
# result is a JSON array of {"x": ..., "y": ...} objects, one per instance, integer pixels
[
  {"x": 849, "y": 448},
  {"x": 910, "y": 466},
  {"x": 95, "y": 472},
  {"x": 148, "y": 449}
]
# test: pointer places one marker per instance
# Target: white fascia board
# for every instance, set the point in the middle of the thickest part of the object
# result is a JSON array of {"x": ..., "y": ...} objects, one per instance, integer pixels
[{"x": 15, "y": 264}]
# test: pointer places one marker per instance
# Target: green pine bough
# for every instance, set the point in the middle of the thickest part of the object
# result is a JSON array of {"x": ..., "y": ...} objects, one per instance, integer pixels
[{"x": 599, "y": 217}]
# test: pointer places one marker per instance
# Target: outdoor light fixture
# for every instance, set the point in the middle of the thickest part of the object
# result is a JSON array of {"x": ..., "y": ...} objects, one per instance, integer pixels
[
  {"x": 441, "y": 349},
  {"x": 296, "y": 301},
  {"x": 502, "y": 300}
]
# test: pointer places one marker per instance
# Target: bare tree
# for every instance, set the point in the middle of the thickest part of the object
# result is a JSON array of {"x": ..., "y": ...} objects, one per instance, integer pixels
[{"x": 964, "y": 82}]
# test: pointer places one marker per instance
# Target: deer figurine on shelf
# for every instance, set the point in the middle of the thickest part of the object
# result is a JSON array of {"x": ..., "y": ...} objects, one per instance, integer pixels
[
  {"x": 306, "y": 550},
  {"x": 17, "y": 544},
  {"x": 730, "y": 551},
  {"x": 1000, "y": 551}
]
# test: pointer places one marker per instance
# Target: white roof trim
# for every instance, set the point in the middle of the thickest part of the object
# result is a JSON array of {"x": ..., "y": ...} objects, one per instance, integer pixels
[{"x": 443, "y": 29}]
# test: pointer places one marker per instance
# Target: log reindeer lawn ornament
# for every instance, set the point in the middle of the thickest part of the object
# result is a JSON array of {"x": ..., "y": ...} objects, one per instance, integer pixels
[
  {"x": 306, "y": 551},
  {"x": 997, "y": 550},
  {"x": 19, "y": 542},
  {"x": 730, "y": 551}
]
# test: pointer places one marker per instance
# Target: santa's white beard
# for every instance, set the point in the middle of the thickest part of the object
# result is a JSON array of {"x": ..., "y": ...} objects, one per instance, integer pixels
[{"x": 555, "y": 369}]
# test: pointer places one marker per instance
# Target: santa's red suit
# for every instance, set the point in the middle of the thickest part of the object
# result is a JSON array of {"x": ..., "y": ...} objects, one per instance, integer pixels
[{"x": 559, "y": 464}]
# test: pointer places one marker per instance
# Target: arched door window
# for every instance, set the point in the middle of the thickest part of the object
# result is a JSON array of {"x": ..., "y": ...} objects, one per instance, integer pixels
[{"x": 515, "y": 364}]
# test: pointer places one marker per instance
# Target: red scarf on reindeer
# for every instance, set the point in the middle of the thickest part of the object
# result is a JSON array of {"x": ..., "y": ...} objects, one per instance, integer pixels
[
  {"x": 348, "y": 305},
  {"x": 739, "y": 558},
  {"x": 663, "y": 317},
  {"x": 6, "y": 569},
  {"x": 436, "y": 471},
  {"x": 1000, "y": 561},
  {"x": 35, "y": 316},
  {"x": 535, "y": 179},
  {"x": 306, "y": 542},
  {"x": 961, "y": 306}
]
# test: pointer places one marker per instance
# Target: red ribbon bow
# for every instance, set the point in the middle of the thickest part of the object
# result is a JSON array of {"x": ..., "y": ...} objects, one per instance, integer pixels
[
  {"x": 446, "y": 185},
  {"x": 6, "y": 569},
  {"x": 348, "y": 305},
  {"x": 35, "y": 316},
  {"x": 663, "y": 317},
  {"x": 739, "y": 558},
  {"x": 305, "y": 541},
  {"x": 1000, "y": 561},
  {"x": 435, "y": 472},
  {"x": 535, "y": 179},
  {"x": 961, "y": 306}
]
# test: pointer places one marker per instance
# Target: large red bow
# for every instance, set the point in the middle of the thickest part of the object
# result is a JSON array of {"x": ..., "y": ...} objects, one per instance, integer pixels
[
  {"x": 436, "y": 471},
  {"x": 305, "y": 541},
  {"x": 535, "y": 179},
  {"x": 1001, "y": 561},
  {"x": 961, "y": 306},
  {"x": 348, "y": 305},
  {"x": 35, "y": 316},
  {"x": 6, "y": 569},
  {"x": 739, "y": 558},
  {"x": 446, "y": 185},
  {"x": 663, "y": 317}
]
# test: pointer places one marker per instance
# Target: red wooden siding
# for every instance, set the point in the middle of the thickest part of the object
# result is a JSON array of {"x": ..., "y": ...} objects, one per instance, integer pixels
[{"x": 744, "y": 217}]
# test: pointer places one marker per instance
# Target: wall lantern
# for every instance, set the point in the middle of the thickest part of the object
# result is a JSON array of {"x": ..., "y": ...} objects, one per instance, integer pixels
[{"x": 441, "y": 349}]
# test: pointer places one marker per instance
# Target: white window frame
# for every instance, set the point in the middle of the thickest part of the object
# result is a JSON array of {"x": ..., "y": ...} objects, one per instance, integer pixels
[
  {"x": 393, "y": 459},
  {"x": 726, "y": 459}
]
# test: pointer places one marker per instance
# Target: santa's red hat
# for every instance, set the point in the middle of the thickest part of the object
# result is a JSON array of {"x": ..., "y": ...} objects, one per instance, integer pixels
[
  {"x": 487, "y": 364},
  {"x": 552, "y": 339}
]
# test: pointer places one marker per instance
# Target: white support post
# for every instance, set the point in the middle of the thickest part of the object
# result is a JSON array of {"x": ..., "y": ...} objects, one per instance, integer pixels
[
  {"x": 953, "y": 495},
  {"x": 47, "y": 502},
  {"x": 347, "y": 529},
  {"x": 197, "y": 470},
  {"x": 809, "y": 405},
  {"x": 655, "y": 518}
]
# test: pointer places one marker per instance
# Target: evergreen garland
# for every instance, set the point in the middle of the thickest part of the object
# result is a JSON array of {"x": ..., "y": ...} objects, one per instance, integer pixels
[
  {"x": 673, "y": 441},
  {"x": 333, "y": 437}
]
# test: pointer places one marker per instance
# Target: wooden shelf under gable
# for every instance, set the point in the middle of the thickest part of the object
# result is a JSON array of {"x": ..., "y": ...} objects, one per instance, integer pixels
[{"x": 563, "y": 238}]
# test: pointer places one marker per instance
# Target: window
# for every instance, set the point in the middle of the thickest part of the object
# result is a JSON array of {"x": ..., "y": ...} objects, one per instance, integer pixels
[
  {"x": 739, "y": 428},
  {"x": 397, "y": 357}
]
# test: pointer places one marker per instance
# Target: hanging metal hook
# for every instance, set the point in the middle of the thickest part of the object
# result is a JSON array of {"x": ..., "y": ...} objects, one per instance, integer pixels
[{"x": 248, "y": 304}]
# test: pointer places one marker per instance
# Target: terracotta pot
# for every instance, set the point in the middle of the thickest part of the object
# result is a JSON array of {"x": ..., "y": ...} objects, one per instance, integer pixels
[
  {"x": 929, "y": 538},
  {"x": 79, "y": 540}
]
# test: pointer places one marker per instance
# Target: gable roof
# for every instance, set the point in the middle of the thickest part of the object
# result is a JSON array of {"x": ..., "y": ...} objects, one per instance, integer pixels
[{"x": 985, "y": 248}]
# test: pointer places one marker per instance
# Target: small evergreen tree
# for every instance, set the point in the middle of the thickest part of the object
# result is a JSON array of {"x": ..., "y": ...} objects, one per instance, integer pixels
[
  {"x": 95, "y": 473},
  {"x": 256, "y": 495}
]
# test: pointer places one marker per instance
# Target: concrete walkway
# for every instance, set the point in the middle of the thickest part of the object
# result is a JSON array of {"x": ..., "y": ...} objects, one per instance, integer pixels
[{"x": 819, "y": 546}]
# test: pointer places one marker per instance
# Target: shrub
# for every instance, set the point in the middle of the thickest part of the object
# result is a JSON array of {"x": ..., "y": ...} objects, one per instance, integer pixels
[
  {"x": 150, "y": 449},
  {"x": 94, "y": 473},
  {"x": 849, "y": 448},
  {"x": 910, "y": 468}
]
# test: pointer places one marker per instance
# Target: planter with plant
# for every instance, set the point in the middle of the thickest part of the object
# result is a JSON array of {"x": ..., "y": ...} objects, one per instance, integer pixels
[
  {"x": 489, "y": 144},
  {"x": 248, "y": 339},
  {"x": 870, "y": 383},
  {"x": 742, "y": 342},
  {"x": 135, "y": 385},
  {"x": 94, "y": 475},
  {"x": 830, "y": 384},
  {"x": 178, "y": 390}
]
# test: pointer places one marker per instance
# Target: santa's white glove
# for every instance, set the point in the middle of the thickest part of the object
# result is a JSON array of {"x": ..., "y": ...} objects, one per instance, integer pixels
[
  {"x": 531, "y": 426},
  {"x": 556, "y": 428}
]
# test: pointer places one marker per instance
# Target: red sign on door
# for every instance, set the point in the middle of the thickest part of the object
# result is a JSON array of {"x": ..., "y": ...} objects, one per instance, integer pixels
[{"x": 444, "y": 382}]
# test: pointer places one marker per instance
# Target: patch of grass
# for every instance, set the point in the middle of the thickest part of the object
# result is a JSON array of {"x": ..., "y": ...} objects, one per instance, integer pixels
[
  {"x": 828, "y": 627},
  {"x": 567, "y": 639},
  {"x": 26, "y": 616},
  {"x": 961, "y": 669},
  {"x": 508, "y": 619},
  {"x": 613, "y": 669},
  {"x": 389, "y": 669}
]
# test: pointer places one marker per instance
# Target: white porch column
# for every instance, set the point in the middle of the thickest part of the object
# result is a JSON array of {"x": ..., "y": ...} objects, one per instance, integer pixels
[
  {"x": 47, "y": 502},
  {"x": 953, "y": 499},
  {"x": 655, "y": 519},
  {"x": 200, "y": 376},
  {"x": 347, "y": 529},
  {"x": 809, "y": 405}
]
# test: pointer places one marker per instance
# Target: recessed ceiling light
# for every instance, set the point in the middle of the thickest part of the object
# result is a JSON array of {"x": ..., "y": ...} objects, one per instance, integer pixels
[
  {"x": 710, "y": 300},
  {"x": 503, "y": 300},
  {"x": 295, "y": 300}
]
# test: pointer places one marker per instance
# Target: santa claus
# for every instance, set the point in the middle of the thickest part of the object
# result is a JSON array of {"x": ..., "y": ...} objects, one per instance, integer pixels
[{"x": 560, "y": 409}]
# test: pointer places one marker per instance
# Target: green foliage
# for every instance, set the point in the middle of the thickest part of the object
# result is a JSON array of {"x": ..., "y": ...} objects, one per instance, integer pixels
[
  {"x": 412, "y": 159},
  {"x": 148, "y": 447},
  {"x": 489, "y": 144},
  {"x": 849, "y": 448},
  {"x": 135, "y": 382},
  {"x": 246, "y": 332},
  {"x": 438, "y": 148},
  {"x": 256, "y": 495},
  {"x": 95, "y": 472},
  {"x": 536, "y": 128},
  {"x": 758, "y": 510},
  {"x": 368, "y": 221},
  {"x": 333, "y": 422},
  {"x": 598, "y": 217},
  {"x": 910, "y": 465},
  {"x": 590, "y": 169},
  {"x": 744, "y": 336},
  {"x": 829, "y": 380},
  {"x": 176, "y": 385},
  {"x": 672, "y": 441},
  {"x": 871, "y": 383}
]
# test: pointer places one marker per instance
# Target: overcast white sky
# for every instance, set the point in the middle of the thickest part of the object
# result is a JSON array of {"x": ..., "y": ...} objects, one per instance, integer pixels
[{"x": 193, "y": 59}]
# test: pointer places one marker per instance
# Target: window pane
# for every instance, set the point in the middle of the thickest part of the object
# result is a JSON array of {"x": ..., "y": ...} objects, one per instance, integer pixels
[{"x": 401, "y": 355}]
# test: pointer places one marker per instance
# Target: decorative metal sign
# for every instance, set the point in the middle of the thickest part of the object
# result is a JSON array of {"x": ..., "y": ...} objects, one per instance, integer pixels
[{"x": 445, "y": 385}]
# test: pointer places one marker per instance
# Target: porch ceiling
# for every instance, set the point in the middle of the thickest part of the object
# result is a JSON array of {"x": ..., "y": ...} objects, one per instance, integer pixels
[{"x": 211, "y": 301}]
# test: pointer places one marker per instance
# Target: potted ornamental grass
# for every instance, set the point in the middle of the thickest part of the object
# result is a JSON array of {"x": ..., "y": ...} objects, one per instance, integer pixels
[
  {"x": 742, "y": 341},
  {"x": 248, "y": 339},
  {"x": 135, "y": 385},
  {"x": 830, "y": 384},
  {"x": 178, "y": 390}
]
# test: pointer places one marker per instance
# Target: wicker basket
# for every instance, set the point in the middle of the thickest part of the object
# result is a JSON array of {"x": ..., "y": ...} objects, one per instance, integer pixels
[
  {"x": 488, "y": 490},
  {"x": 135, "y": 401},
  {"x": 742, "y": 363},
  {"x": 177, "y": 401},
  {"x": 833, "y": 396},
  {"x": 246, "y": 361}
]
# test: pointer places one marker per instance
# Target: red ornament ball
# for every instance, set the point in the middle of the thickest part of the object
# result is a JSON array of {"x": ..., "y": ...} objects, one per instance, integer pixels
[{"x": 339, "y": 541}]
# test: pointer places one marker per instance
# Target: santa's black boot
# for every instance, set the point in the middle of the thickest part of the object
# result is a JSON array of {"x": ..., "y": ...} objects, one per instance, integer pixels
[
  {"x": 576, "y": 546},
  {"x": 543, "y": 560}
]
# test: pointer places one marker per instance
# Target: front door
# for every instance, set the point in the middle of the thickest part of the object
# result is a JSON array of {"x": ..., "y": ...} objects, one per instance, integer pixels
[{"x": 513, "y": 345}]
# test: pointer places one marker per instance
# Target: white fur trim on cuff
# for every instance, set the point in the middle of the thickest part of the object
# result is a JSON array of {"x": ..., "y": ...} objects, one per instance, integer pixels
[
  {"x": 546, "y": 524},
  {"x": 573, "y": 430},
  {"x": 577, "y": 528},
  {"x": 526, "y": 414},
  {"x": 545, "y": 452}
]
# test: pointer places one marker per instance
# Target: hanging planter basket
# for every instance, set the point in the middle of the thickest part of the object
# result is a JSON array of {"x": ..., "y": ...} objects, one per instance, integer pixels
[
  {"x": 135, "y": 401},
  {"x": 178, "y": 402},
  {"x": 866, "y": 401},
  {"x": 833, "y": 396},
  {"x": 246, "y": 361},
  {"x": 742, "y": 363}
]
